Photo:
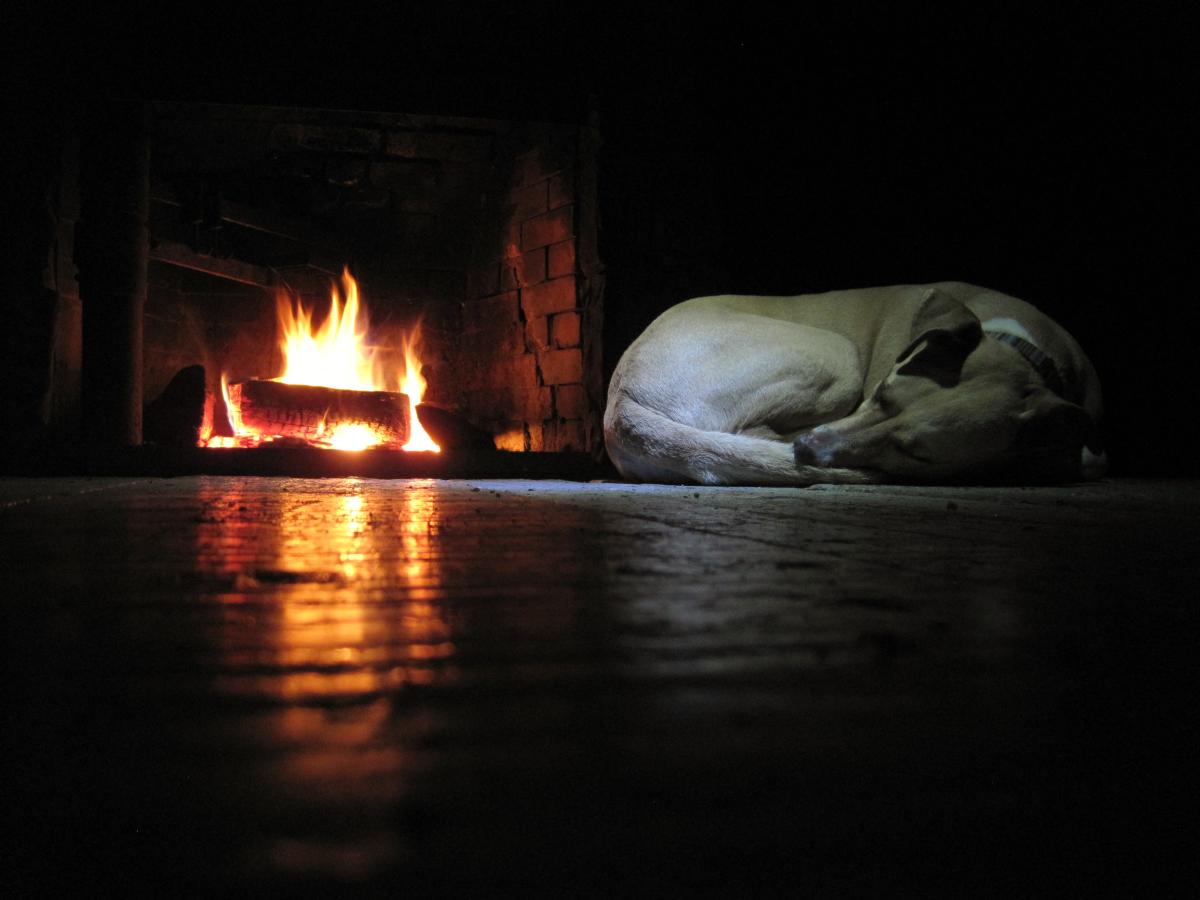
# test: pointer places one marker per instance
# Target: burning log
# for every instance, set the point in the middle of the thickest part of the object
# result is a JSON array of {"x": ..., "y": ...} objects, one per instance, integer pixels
[{"x": 316, "y": 414}]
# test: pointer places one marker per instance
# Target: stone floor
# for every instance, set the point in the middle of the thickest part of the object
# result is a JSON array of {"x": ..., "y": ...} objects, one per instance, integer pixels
[{"x": 224, "y": 685}]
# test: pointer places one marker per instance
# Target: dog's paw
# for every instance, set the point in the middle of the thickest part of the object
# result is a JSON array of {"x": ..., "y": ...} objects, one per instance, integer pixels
[{"x": 814, "y": 447}]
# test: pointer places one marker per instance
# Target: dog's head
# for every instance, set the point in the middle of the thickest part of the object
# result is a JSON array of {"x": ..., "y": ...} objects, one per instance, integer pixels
[{"x": 954, "y": 406}]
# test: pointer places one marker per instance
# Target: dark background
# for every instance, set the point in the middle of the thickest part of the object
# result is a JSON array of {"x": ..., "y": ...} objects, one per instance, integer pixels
[{"x": 748, "y": 150}]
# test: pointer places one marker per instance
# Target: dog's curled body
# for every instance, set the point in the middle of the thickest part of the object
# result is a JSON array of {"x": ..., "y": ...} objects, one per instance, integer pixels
[{"x": 941, "y": 382}]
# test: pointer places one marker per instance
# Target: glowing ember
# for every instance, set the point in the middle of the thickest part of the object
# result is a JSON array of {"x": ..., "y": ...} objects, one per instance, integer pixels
[
  {"x": 334, "y": 355},
  {"x": 354, "y": 437}
]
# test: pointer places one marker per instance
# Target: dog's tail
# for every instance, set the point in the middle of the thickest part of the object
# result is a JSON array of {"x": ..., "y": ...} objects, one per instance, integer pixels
[{"x": 645, "y": 445}]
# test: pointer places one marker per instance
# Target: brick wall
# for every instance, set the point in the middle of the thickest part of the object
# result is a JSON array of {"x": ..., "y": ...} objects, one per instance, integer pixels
[{"x": 528, "y": 297}]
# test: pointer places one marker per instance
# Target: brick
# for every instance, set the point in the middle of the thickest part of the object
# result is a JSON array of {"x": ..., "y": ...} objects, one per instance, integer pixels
[
  {"x": 520, "y": 377},
  {"x": 526, "y": 202},
  {"x": 484, "y": 281},
  {"x": 561, "y": 366},
  {"x": 564, "y": 329},
  {"x": 406, "y": 177},
  {"x": 507, "y": 239},
  {"x": 561, "y": 434},
  {"x": 529, "y": 168},
  {"x": 358, "y": 200},
  {"x": 304, "y": 164},
  {"x": 561, "y": 259},
  {"x": 443, "y": 282},
  {"x": 477, "y": 350},
  {"x": 557, "y": 295},
  {"x": 415, "y": 203},
  {"x": 406, "y": 144},
  {"x": 285, "y": 136},
  {"x": 498, "y": 311},
  {"x": 414, "y": 237},
  {"x": 523, "y": 269},
  {"x": 459, "y": 179},
  {"x": 345, "y": 140},
  {"x": 534, "y": 403},
  {"x": 561, "y": 189},
  {"x": 537, "y": 330},
  {"x": 569, "y": 435},
  {"x": 510, "y": 401},
  {"x": 346, "y": 171},
  {"x": 548, "y": 228},
  {"x": 462, "y": 148},
  {"x": 570, "y": 401},
  {"x": 535, "y": 267},
  {"x": 507, "y": 386}
]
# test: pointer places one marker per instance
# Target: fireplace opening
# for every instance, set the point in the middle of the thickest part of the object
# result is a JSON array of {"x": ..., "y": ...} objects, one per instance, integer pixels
[{"x": 472, "y": 242}]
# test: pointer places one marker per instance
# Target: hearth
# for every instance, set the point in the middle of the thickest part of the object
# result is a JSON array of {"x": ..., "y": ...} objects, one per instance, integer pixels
[{"x": 470, "y": 241}]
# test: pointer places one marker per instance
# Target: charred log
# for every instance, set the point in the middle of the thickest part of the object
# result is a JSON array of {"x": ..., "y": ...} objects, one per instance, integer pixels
[
  {"x": 174, "y": 418},
  {"x": 311, "y": 414},
  {"x": 451, "y": 431}
]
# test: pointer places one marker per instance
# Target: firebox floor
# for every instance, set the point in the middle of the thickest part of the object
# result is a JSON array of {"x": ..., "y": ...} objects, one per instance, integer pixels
[{"x": 465, "y": 687}]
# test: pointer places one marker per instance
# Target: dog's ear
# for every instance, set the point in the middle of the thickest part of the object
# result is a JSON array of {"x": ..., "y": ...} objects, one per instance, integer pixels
[
  {"x": 941, "y": 312},
  {"x": 1051, "y": 436},
  {"x": 944, "y": 332},
  {"x": 1049, "y": 422}
]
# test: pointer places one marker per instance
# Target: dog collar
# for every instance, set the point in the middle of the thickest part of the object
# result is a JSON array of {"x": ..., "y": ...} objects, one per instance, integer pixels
[{"x": 1045, "y": 366}]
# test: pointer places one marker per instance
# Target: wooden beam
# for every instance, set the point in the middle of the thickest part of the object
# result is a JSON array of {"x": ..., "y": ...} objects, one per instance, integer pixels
[
  {"x": 176, "y": 254},
  {"x": 251, "y": 217}
]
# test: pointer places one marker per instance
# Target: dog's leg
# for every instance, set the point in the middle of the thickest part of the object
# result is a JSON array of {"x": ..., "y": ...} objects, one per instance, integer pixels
[{"x": 716, "y": 396}]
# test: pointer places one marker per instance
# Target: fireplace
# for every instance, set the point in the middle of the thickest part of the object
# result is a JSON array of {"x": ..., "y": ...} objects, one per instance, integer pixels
[{"x": 479, "y": 234}]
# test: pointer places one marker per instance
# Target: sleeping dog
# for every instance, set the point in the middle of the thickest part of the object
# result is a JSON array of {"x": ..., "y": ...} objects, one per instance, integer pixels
[{"x": 945, "y": 383}]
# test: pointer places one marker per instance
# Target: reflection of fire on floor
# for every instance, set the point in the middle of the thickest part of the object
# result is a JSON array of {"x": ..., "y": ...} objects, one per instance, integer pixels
[
  {"x": 339, "y": 638},
  {"x": 445, "y": 683},
  {"x": 324, "y": 569}
]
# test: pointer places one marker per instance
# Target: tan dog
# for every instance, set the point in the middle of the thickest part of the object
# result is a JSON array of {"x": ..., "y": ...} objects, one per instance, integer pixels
[{"x": 935, "y": 383}]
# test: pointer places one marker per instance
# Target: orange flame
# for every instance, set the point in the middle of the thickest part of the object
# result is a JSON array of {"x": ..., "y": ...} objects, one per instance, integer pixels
[
  {"x": 336, "y": 355},
  {"x": 413, "y": 385}
]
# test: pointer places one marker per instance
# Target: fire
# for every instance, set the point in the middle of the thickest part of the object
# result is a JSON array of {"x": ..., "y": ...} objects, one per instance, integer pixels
[
  {"x": 413, "y": 385},
  {"x": 336, "y": 354}
]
